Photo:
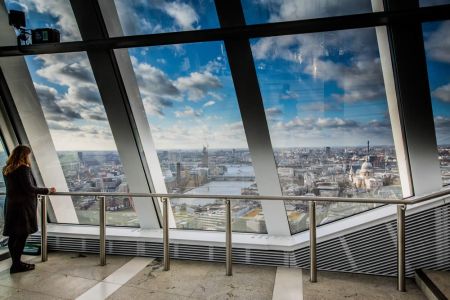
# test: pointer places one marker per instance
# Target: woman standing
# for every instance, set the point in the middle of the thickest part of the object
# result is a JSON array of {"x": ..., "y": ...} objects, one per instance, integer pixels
[{"x": 20, "y": 205}]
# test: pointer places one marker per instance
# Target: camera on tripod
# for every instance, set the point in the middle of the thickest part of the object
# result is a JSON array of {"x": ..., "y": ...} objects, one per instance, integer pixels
[{"x": 38, "y": 36}]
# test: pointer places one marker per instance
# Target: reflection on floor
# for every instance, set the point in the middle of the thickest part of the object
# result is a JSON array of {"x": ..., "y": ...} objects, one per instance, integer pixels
[{"x": 71, "y": 275}]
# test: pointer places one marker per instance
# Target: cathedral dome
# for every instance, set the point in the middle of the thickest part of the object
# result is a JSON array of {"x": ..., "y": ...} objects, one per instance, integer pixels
[{"x": 366, "y": 167}]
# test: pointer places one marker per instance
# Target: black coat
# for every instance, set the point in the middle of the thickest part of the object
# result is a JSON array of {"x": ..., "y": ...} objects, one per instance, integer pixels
[{"x": 21, "y": 202}]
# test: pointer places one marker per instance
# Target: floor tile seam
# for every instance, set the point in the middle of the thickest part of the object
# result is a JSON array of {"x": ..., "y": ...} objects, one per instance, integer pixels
[
  {"x": 119, "y": 285},
  {"x": 110, "y": 281},
  {"x": 300, "y": 279}
]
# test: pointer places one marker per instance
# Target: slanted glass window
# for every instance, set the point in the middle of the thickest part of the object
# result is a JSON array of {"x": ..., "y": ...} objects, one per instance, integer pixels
[
  {"x": 81, "y": 134},
  {"x": 270, "y": 11},
  {"x": 328, "y": 119},
  {"x": 194, "y": 118},
  {"x": 437, "y": 46},
  {"x": 3, "y": 158},
  {"x": 150, "y": 16},
  {"x": 49, "y": 14}
]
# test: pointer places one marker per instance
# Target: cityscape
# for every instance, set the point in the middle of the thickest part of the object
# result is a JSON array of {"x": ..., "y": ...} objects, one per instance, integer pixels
[
  {"x": 369, "y": 171},
  {"x": 329, "y": 171}
]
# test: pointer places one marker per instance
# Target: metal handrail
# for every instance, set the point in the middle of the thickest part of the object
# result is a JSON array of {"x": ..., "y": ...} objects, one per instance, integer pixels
[
  {"x": 403, "y": 201},
  {"x": 401, "y": 208}
]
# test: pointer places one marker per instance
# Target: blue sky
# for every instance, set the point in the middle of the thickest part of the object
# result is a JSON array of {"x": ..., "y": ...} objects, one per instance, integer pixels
[{"x": 321, "y": 89}]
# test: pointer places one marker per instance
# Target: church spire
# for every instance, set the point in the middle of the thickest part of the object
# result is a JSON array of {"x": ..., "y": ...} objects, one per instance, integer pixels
[{"x": 368, "y": 150}]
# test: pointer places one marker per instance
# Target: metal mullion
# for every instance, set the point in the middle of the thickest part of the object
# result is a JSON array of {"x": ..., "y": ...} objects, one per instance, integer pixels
[
  {"x": 115, "y": 100},
  {"x": 417, "y": 15},
  {"x": 136, "y": 111},
  {"x": 29, "y": 125},
  {"x": 414, "y": 100},
  {"x": 253, "y": 117},
  {"x": 13, "y": 133}
]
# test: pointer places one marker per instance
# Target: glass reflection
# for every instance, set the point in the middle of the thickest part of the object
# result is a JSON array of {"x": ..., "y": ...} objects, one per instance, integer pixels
[
  {"x": 192, "y": 110},
  {"x": 157, "y": 16},
  {"x": 80, "y": 131},
  {"x": 49, "y": 14},
  {"x": 270, "y": 11},
  {"x": 328, "y": 120},
  {"x": 437, "y": 46}
]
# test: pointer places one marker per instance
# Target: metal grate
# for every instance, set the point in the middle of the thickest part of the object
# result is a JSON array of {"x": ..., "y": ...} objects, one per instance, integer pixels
[
  {"x": 368, "y": 251},
  {"x": 373, "y": 250}
]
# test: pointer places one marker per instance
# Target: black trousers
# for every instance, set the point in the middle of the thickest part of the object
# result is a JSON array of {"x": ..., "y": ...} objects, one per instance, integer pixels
[{"x": 16, "y": 243}]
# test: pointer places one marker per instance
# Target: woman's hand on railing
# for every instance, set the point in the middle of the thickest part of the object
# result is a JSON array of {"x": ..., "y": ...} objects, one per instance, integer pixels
[{"x": 51, "y": 190}]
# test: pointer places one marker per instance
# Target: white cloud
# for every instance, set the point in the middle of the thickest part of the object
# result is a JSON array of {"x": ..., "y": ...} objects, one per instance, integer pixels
[
  {"x": 362, "y": 80},
  {"x": 334, "y": 122},
  {"x": 131, "y": 22},
  {"x": 358, "y": 73},
  {"x": 186, "y": 64},
  {"x": 78, "y": 96},
  {"x": 442, "y": 122},
  {"x": 194, "y": 136},
  {"x": 288, "y": 10},
  {"x": 70, "y": 136},
  {"x": 442, "y": 93},
  {"x": 209, "y": 103},
  {"x": 438, "y": 43},
  {"x": 161, "y": 61},
  {"x": 73, "y": 110},
  {"x": 273, "y": 112},
  {"x": 183, "y": 14},
  {"x": 318, "y": 106},
  {"x": 159, "y": 92},
  {"x": 61, "y": 10},
  {"x": 442, "y": 125},
  {"x": 318, "y": 132},
  {"x": 197, "y": 84},
  {"x": 188, "y": 112},
  {"x": 134, "y": 14},
  {"x": 155, "y": 81}
]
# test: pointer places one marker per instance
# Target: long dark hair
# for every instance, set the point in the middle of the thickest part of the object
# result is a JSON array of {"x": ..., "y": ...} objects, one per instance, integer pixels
[{"x": 19, "y": 157}]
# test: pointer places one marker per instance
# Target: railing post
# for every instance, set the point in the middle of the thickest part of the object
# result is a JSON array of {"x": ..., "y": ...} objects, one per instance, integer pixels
[
  {"x": 44, "y": 253},
  {"x": 102, "y": 209},
  {"x": 401, "y": 247},
  {"x": 312, "y": 242},
  {"x": 229, "y": 246},
  {"x": 166, "y": 233}
]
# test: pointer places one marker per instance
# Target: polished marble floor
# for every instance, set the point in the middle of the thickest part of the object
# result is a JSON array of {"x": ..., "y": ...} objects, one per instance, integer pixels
[{"x": 78, "y": 276}]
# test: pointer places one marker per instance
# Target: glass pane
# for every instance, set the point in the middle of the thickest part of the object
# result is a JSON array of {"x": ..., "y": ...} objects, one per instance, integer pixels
[
  {"x": 437, "y": 46},
  {"x": 3, "y": 158},
  {"x": 193, "y": 114},
  {"x": 325, "y": 102},
  {"x": 48, "y": 14},
  {"x": 78, "y": 125},
  {"x": 433, "y": 2},
  {"x": 270, "y": 11},
  {"x": 150, "y": 16}
]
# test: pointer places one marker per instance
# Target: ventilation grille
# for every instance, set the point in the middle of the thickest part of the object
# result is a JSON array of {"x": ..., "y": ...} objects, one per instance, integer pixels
[
  {"x": 374, "y": 250},
  {"x": 369, "y": 251}
]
